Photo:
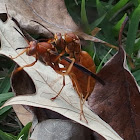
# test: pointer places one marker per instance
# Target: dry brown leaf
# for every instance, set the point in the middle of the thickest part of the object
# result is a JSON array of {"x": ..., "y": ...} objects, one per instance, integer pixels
[
  {"x": 23, "y": 115},
  {"x": 95, "y": 31},
  {"x": 118, "y": 102},
  {"x": 47, "y": 84},
  {"x": 52, "y": 14}
]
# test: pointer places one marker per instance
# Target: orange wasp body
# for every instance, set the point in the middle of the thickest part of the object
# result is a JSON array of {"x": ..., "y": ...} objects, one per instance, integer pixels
[
  {"x": 84, "y": 84},
  {"x": 71, "y": 45},
  {"x": 67, "y": 44},
  {"x": 48, "y": 53},
  {"x": 41, "y": 51}
]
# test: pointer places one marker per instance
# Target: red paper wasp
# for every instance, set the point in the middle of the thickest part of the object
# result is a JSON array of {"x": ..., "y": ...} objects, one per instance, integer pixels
[{"x": 81, "y": 72}]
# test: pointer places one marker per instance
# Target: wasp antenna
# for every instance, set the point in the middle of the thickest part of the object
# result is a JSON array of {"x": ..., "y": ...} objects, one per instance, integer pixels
[
  {"x": 121, "y": 30},
  {"x": 7, "y": 11},
  {"x": 43, "y": 26},
  {"x": 22, "y": 48},
  {"x": 16, "y": 22},
  {"x": 21, "y": 34}
]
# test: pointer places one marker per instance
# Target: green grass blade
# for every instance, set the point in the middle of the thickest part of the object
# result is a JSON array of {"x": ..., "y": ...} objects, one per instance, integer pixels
[
  {"x": 116, "y": 8},
  {"x": 97, "y": 22},
  {"x": 100, "y": 66},
  {"x": 5, "y": 85},
  {"x": 25, "y": 132},
  {"x": 132, "y": 30},
  {"x": 84, "y": 19},
  {"x": 4, "y": 109},
  {"x": 137, "y": 75},
  {"x": 6, "y": 136},
  {"x": 89, "y": 48},
  {"x": 6, "y": 96},
  {"x": 108, "y": 33},
  {"x": 100, "y": 8},
  {"x": 116, "y": 28},
  {"x": 137, "y": 45}
]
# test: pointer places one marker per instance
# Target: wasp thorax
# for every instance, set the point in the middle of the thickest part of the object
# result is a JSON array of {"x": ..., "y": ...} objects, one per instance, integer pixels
[
  {"x": 70, "y": 37},
  {"x": 32, "y": 48}
]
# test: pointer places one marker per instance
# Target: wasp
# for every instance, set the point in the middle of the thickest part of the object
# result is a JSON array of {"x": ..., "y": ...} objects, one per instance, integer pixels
[{"x": 78, "y": 65}]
